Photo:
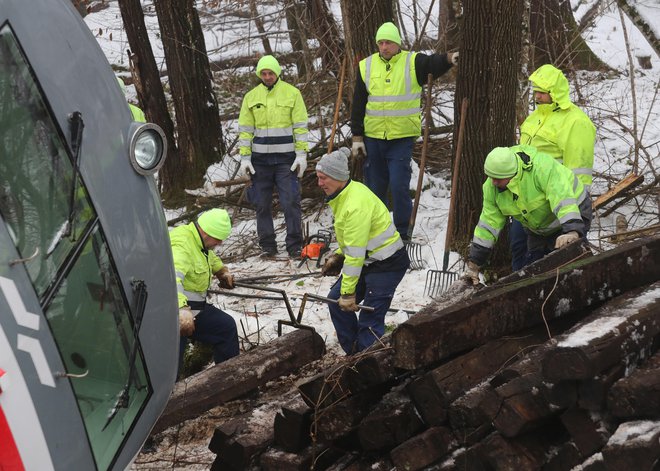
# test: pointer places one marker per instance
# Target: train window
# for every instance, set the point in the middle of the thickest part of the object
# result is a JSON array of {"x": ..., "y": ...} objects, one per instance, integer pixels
[
  {"x": 36, "y": 173},
  {"x": 92, "y": 328}
]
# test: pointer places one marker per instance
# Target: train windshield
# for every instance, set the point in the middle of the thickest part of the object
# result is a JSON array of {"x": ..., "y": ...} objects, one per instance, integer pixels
[{"x": 50, "y": 218}]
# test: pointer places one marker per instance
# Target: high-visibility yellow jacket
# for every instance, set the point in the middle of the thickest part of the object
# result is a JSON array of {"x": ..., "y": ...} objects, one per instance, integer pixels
[
  {"x": 273, "y": 121},
  {"x": 193, "y": 265},
  {"x": 364, "y": 230},
  {"x": 544, "y": 196},
  {"x": 561, "y": 129},
  {"x": 138, "y": 114},
  {"x": 393, "y": 104}
]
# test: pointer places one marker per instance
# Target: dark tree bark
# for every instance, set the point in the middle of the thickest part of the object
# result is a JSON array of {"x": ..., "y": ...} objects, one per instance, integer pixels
[
  {"x": 324, "y": 29},
  {"x": 556, "y": 38},
  {"x": 487, "y": 76},
  {"x": 147, "y": 83},
  {"x": 198, "y": 122},
  {"x": 259, "y": 23},
  {"x": 361, "y": 19},
  {"x": 294, "y": 12}
]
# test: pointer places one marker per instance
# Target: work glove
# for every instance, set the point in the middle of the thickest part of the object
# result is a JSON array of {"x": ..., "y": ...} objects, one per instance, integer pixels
[
  {"x": 186, "y": 322},
  {"x": 300, "y": 163},
  {"x": 225, "y": 278},
  {"x": 452, "y": 57},
  {"x": 332, "y": 265},
  {"x": 565, "y": 239},
  {"x": 472, "y": 272},
  {"x": 246, "y": 166},
  {"x": 358, "y": 146},
  {"x": 347, "y": 303}
]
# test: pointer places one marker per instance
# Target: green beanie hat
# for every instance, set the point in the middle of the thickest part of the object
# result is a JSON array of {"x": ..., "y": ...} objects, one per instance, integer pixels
[
  {"x": 270, "y": 63},
  {"x": 501, "y": 163},
  {"x": 390, "y": 32},
  {"x": 215, "y": 223}
]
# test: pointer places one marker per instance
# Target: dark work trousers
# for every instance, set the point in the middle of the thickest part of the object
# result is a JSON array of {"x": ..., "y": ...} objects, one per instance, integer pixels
[
  {"x": 357, "y": 332},
  {"x": 214, "y": 327},
  {"x": 388, "y": 166},
  {"x": 518, "y": 245},
  {"x": 265, "y": 179}
]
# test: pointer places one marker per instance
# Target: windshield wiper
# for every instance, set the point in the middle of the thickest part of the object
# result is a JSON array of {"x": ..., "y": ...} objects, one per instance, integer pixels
[
  {"x": 140, "y": 302},
  {"x": 76, "y": 125}
]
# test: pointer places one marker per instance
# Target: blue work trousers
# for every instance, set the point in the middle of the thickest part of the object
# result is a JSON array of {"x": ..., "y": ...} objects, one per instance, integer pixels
[
  {"x": 518, "y": 245},
  {"x": 214, "y": 327},
  {"x": 358, "y": 331},
  {"x": 388, "y": 166},
  {"x": 264, "y": 180}
]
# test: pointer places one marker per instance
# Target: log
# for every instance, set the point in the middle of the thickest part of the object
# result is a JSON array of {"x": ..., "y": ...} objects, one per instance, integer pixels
[
  {"x": 638, "y": 395},
  {"x": 240, "y": 375},
  {"x": 239, "y": 441},
  {"x": 588, "y": 434},
  {"x": 469, "y": 415},
  {"x": 592, "y": 393},
  {"x": 431, "y": 336},
  {"x": 621, "y": 331},
  {"x": 566, "y": 456},
  {"x": 326, "y": 388},
  {"x": 340, "y": 419},
  {"x": 423, "y": 449},
  {"x": 291, "y": 429},
  {"x": 634, "y": 445},
  {"x": 626, "y": 184},
  {"x": 390, "y": 423},
  {"x": 372, "y": 369}
]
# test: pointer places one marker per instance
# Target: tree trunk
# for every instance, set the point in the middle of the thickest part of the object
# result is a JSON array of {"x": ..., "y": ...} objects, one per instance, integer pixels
[
  {"x": 198, "y": 121},
  {"x": 325, "y": 30},
  {"x": 259, "y": 23},
  {"x": 294, "y": 11},
  {"x": 643, "y": 27},
  {"x": 149, "y": 88},
  {"x": 361, "y": 19},
  {"x": 556, "y": 38},
  {"x": 487, "y": 75}
]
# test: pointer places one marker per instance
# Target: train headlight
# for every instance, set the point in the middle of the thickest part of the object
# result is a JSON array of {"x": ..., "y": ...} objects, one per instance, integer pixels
[{"x": 148, "y": 148}]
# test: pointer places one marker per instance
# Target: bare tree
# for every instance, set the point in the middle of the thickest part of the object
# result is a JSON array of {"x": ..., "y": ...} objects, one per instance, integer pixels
[
  {"x": 556, "y": 38},
  {"x": 641, "y": 24},
  {"x": 325, "y": 29},
  {"x": 487, "y": 76},
  {"x": 198, "y": 122},
  {"x": 361, "y": 19},
  {"x": 148, "y": 85}
]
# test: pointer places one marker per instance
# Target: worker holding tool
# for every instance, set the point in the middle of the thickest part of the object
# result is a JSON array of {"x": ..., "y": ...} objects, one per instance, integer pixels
[
  {"x": 386, "y": 116},
  {"x": 550, "y": 202},
  {"x": 560, "y": 129},
  {"x": 195, "y": 263},
  {"x": 371, "y": 257},
  {"x": 273, "y": 145}
]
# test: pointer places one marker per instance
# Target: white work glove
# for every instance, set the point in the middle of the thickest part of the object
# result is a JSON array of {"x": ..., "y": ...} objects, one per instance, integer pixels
[
  {"x": 300, "y": 163},
  {"x": 358, "y": 146},
  {"x": 225, "y": 278},
  {"x": 245, "y": 166},
  {"x": 452, "y": 57},
  {"x": 472, "y": 272},
  {"x": 565, "y": 239},
  {"x": 186, "y": 322}
]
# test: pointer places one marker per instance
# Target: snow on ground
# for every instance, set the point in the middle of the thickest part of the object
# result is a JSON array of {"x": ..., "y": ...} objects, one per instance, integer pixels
[{"x": 606, "y": 98}]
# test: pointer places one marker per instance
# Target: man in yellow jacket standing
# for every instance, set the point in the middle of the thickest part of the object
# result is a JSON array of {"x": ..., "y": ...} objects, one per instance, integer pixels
[
  {"x": 195, "y": 264},
  {"x": 371, "y": 256},
  {"x": 386, "y": 116},
  {"x": 548, "y": 200},
  {"x": 559, "y": 129},
  {"x": 273, "y": 147}
]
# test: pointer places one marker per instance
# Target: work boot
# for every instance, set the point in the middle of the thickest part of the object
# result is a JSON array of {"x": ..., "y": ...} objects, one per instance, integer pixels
[
  {"x": 295, "y": 253},
  {"x": 268, "y": 252}
]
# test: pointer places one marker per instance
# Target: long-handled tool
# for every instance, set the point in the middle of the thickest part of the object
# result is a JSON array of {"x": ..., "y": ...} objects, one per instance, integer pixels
[
  {"x": 294, "y": 320},
  {"x": 438, "y": 281}
]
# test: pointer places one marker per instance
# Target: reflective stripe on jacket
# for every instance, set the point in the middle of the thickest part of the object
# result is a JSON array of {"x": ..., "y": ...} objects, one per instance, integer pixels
[
  {"x": 364, "y": 230},
  {"x": 393, "y": 104},
  {"x": 193, "y": 267},
  {"x": 544, "y": 196},
  {"x": 561, "y": 129},
  {"x": 273, "y": 121}
]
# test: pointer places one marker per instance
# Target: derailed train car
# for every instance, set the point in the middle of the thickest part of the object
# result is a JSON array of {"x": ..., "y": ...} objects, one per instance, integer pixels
[{"x": 88, "y": 309}]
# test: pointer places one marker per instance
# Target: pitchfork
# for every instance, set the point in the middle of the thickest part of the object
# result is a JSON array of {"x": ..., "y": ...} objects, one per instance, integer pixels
[{"x": 437, "y": 281}]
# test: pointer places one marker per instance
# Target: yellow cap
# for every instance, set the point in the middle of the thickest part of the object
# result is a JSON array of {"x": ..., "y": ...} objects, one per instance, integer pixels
[
  {"x": 215, "y": 223},
  {"x": 501, "y": 163}
]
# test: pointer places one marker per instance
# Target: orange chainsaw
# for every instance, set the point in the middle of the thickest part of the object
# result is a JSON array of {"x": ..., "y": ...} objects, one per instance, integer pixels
[{"x": 315, "y": 250}]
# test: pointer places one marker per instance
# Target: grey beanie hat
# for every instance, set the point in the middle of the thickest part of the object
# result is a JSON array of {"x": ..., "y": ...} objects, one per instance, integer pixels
[{"x": 335, "y": 164}]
